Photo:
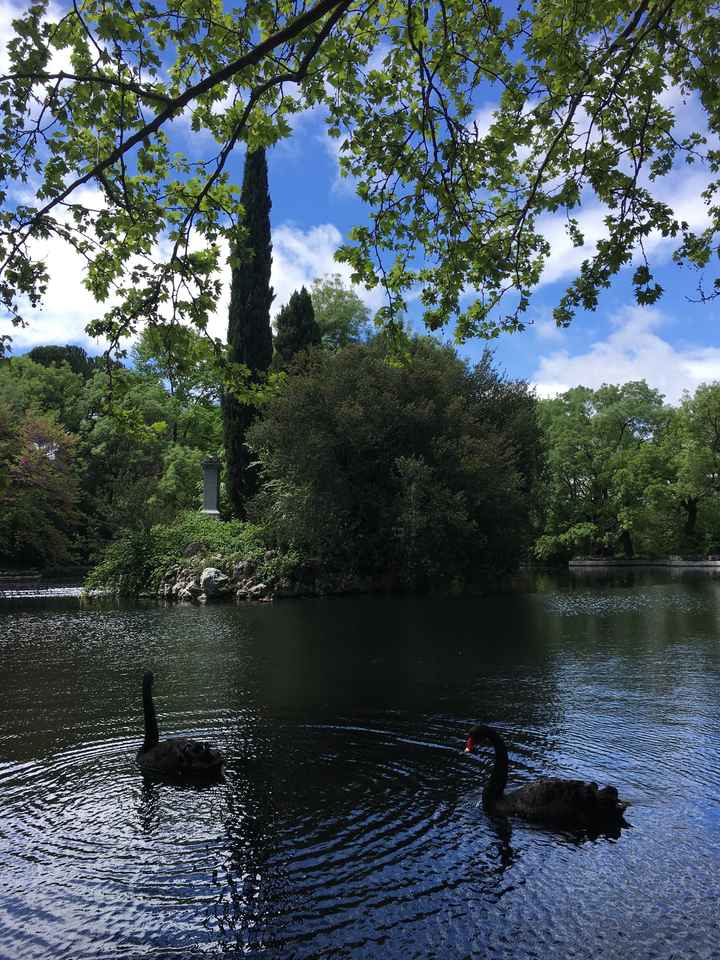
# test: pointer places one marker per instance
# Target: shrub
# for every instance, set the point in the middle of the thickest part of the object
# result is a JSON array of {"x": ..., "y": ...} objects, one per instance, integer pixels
[
  {"x": 137, "y": 562},
  {"x": 424, "y": 467},
  {"x": 126, "y": 566}
]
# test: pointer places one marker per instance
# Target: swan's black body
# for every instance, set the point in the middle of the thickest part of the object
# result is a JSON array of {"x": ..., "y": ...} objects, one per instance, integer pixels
[
  {"x": 178, "y": 757},
  {"x": 562, "y": 802}
]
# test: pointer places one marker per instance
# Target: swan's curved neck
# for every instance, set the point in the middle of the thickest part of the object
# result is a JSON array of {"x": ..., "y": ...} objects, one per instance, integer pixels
[
  {"x": 151, "y": 728},
  {"x": 495, "y": 786}
]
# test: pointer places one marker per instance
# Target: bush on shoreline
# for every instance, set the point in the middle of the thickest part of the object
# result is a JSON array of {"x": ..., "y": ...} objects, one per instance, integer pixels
[{"x": 138, "y": 561}]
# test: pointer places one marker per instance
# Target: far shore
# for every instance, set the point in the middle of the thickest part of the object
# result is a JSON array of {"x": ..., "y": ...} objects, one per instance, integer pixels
[{"x": 601, "y": 562}]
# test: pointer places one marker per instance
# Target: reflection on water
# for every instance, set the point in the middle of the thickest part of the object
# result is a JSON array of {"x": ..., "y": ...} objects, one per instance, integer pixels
[{"x": 350, "y": 823}]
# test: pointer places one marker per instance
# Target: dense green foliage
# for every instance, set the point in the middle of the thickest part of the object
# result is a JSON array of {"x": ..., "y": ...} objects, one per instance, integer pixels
[
  {"x": 600, "y": 461},
  {"x": 456, "y": 194},
  {"x": 183, "y": 359},
  {"x": 136, "y": 561},
  {"x": 295, "y": 328},
  {"x": 423, "y": 470},
  {"x": 75, "y": 357},
  {"x": 128, "y": 455},
  {"x": 340, "y": 313},
  {"x": 628, "y": 475},
  {"x": 40, "y": 522},
  {"x": 392, "y": 460},
  {"x": 690, "y": 488},
  {"x": 249, "y": 333}
]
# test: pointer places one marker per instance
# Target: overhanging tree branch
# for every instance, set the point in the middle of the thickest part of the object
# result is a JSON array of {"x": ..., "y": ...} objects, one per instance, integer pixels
[
  {"x": 176, "y": 104},
  {"x": 457, "y": 204}
]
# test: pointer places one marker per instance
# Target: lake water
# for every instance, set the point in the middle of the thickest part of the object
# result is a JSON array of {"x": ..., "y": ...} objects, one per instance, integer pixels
[{"x": 349, "y": 823}]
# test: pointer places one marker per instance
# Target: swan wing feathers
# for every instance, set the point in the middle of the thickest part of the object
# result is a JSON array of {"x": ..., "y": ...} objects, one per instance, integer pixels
[
  {"x": 181, "y": 756},
  {"x": 564, "y": 798}
]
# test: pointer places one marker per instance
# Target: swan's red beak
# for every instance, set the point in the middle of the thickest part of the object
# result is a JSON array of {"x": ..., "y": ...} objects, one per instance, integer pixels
[{"x": 470, "y": 745}]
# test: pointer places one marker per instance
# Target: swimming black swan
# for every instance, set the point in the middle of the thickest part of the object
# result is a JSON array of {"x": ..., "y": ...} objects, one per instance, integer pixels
[
  {"x": 178, "y": 757},
  {"x": 564, "y": 802}
]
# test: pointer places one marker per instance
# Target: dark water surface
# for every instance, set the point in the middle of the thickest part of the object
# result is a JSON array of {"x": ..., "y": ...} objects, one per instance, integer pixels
[{"x": 349, "y": 824}]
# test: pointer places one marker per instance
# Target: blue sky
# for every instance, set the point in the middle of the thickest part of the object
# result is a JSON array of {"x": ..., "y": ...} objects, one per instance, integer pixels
[{"x": 674, "y": 345}]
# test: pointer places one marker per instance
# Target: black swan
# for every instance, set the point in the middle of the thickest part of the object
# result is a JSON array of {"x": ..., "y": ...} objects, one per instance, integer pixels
[
  {"x": 177, "y": 757},
  {"x": 564, "y": 802}
]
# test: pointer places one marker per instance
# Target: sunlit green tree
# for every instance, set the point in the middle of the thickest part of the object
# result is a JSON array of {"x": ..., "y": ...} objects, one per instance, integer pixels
[
  {"x": 54, "y": 389},
  {"x": 692, "y": 494},
  {"x": 603, "y": 453},
  {"x": 181, "y": 358},
  {"x": 340, "y": 313},
  {"x": 39, "y": 516}
]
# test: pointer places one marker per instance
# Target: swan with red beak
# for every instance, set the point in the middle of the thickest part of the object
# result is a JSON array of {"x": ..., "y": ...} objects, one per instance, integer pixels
[{"x": 572, "y": 803}]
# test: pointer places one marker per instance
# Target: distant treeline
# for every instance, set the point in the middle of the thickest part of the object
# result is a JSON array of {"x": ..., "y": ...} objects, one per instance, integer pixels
[
  {"x": 626, "y": 474},
  {"x": 374, "y": 456}
]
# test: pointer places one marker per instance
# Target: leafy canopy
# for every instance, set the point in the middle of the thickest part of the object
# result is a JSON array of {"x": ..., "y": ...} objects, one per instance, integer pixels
[
  {"x": 180, "y": 357},
  {"x": 134, "y": 448},
  {"x": 39, "y": 492},
  {"x": 692, "y": 448},
  {"x": 95, "y": 104},
  {"x": 340, "y": 313},
  {"x": 424, "y": 470},
  {"x": 604, "y": 453}
]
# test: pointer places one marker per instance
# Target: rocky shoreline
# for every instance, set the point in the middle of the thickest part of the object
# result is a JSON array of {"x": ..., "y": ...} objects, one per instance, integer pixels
[
  {"x": 216, "y": 579},
  {"x": 246, "y": 580}
]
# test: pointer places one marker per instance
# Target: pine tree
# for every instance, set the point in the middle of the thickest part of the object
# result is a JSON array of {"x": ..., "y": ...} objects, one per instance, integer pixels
[
  {"x": 249, "y": 332},
  {"x": 296, "y": 328}
]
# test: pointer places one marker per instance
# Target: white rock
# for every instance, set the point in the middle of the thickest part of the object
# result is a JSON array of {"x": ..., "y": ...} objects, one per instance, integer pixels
[{"x": 213, "y": 581}]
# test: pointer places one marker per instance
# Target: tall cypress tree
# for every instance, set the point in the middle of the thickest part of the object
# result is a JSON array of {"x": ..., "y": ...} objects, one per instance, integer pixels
[
  {"x": 296, "y": 328},
  {"x": 249, "y": 332}
]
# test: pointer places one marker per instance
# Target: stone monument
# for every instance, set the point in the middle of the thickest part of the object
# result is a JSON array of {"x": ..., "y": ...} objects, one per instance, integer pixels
[{"x": 211, "y": 486}]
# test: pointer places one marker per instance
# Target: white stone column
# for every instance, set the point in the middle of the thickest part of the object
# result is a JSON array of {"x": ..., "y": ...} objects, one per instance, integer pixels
[{"x": 211, "y": 486}]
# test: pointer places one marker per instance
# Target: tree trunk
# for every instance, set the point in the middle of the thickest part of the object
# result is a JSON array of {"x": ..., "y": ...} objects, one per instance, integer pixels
[
  {"x": 627, "y": 545},
  {"x": 690, "y": 506},
  {"x": 241, "y": 478},
  {"x": 249, "y": 331}
]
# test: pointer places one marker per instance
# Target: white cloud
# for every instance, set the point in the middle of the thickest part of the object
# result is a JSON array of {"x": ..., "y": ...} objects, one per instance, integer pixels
[
  {"x": 564, "y": 259},
  {"x": 483, "y": 118},
  {"x": 67, "y": 306},
  {"x": 8, "y": 11},
  {"x": 633, "y": 351},
  {"x": 299, "y": 256},
  {"x": 342, "y": 183},
  {"x": 547, "y": 329}
]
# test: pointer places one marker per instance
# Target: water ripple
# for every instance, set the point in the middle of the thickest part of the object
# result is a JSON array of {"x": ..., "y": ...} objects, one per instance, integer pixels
[{"x": 350, "y": 823}]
